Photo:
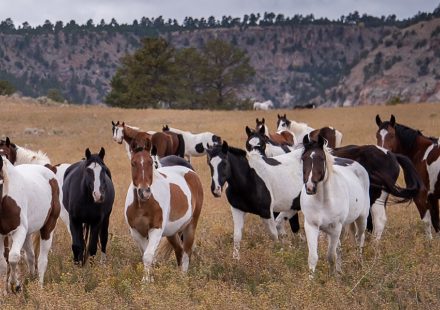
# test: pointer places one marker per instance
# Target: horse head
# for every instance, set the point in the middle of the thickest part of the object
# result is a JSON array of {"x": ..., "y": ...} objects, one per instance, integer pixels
[
  {"x": 314, "y": 163},
  {"x": 118, "y": 131},
  {"x": 95, "y": 175},
  {"x": 8, "y": 150},
  {"x": 142, "y": 171},
  {"x": 217, "y": 157},
  {"x": 256, "y": 140},
  {"x": 283, "y": 123},
  {"x": 386, "y": 134}
]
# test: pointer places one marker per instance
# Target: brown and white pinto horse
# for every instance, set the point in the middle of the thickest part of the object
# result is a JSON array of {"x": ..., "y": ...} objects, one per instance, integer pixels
[
  {"x": 424, "y": 152},
  {"x": 283, "y": 137},
  {"x": 162, "y": 202},
  {"x": 299, "y": 130},
  {"x": 166, "y": 143}
]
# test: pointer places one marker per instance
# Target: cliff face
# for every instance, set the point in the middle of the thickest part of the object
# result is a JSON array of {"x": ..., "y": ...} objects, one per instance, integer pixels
[{"x": 295, "y": 65}]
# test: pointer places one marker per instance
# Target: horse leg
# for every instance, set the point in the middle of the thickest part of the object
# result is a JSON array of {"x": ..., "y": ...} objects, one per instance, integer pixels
[
  {"x": 421, "y": 202},
  {"x": 284, "y": 215},
  {"x": 77, "y": 241},
  {"x": 379, "y": 215},
  {"x": 238, "y": 219},
  {"x": 272, "y": 227},
  {"x": 64, "y": 215},
  {"x": 45, "y": 245},
  {"x": 434, "y": 210},
  {"x": 92, "y": 247},
  {"x": 176, "y": 243},
  {"x": 18, "y": 238},
  {"x": 154, "y": 236},
  {"x": 312, "y": 234},
  {"x": 103, "y": 238},
  {"x": 333, "y": 241},
  {"x": 30, "y": 254},
  {"x": 3, "y": 264}
]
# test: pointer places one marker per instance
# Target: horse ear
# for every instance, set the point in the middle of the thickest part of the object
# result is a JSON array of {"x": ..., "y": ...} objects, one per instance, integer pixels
[
  {"x": 153, "y": 151},
  {"x": 123, "y": 124},
  {"x": 378, "y": 120},
  {"x": 321, "y": 141},
  {"x": 392, "y": 120},
  {"x": 278, "y": 116},
  {"x": 248, "y": 131},
  {"x": 8, "y": 142},
  {"x": 285, "y": 116},
  {"x": 306, "y": 139},
  {"x": 88, "y": 153},
  {"x": 113, "y": 123},
  {"x": 225, "y": 147},
  {"x": 101, "y": 153},
  {"x": 256, "y": 120},
  {"x": 263, "y": 121}
]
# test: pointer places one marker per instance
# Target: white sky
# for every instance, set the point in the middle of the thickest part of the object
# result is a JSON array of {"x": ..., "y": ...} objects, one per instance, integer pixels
[{"x": 125, "y": 11}]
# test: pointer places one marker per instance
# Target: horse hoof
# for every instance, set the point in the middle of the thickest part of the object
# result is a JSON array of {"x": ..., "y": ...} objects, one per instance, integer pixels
[
  {"x": 15, "y": 288},
  {"x": 147, "y": 279}
]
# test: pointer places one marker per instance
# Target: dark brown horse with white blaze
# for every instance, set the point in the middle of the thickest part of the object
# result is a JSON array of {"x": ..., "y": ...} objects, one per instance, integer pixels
[
  {"x": 164, "y": 201},
  {"x": 424, "y": 152}
]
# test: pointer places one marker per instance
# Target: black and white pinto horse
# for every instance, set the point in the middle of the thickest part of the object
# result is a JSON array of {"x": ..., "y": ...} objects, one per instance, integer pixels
[
  {"x": 335, "y": 195},
  {"x": 256, "y": 184},
  {"x": 195, "y": 143},
  {"x": 272, "y": 148},
  {"x": 88, "y": 197}
]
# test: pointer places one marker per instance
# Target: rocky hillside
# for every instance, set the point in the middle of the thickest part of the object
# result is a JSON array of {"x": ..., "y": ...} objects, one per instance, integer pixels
[{"x": 328, "y": 64}]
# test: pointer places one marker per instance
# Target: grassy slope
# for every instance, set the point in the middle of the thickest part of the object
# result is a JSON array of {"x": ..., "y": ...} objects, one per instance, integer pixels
[{"x": 405, "y": 272}]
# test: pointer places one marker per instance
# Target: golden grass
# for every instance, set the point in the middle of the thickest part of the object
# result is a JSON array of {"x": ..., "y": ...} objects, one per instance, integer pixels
[{"x": 404, "y": 273}]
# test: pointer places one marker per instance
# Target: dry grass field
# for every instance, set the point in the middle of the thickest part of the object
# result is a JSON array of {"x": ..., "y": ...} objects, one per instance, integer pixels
[{"x": 403, "y": 273}]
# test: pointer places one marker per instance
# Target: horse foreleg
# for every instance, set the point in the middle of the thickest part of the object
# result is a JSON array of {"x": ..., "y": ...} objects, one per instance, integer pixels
[
  {"x": 77, "y": 241},
  {"x": 312, "y": 234},
  {"x": 92, "y": 247},
  {"x": 103, "y": 238},
  {"x": 154, "y": 236},
  {"x": 282, "y": 216},
  {"x": 18, "y": 238},
  {"x": 271, "y": 227},
  {"x": 238, "y": 219}
]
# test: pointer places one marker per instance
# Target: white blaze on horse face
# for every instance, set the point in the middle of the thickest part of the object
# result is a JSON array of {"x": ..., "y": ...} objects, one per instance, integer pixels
[
  {"x": 309, "y": 185},
  {"x": 118, "y": 134},
  {"x": 97, "y": 181},
  {"x": 255, "y": 142},
  {"x": 215, "y": 162},
  {"x": 383, "y": 133}
]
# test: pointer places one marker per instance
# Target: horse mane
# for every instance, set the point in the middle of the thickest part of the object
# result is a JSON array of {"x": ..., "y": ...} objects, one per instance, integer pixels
[
  {"x": 236, "y": 151},
  {"x": 407, "y": 136},
  {"x": 26, "y": 156},
  {"x": 6, "y": 162},
  {"x": 329, "y": 158}
]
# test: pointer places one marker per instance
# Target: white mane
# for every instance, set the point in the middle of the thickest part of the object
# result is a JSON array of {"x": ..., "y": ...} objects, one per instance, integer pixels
[
  {"x": 5, "y": 176},
  {"x": 26, "y": 156}
]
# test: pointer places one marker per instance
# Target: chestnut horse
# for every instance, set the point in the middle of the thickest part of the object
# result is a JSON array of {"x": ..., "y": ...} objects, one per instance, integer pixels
[
  {"x": 164, "y": 201},
  {"x": 424, "y": 152}
]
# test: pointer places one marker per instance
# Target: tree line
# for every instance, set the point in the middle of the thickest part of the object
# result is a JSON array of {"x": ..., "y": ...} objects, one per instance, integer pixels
[
  {"x": 156, "y": 25},
  {"x": 160, "y": 76}
]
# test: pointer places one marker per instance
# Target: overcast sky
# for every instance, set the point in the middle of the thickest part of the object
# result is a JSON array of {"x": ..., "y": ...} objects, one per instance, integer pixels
[{"x": 125, "y": 11}]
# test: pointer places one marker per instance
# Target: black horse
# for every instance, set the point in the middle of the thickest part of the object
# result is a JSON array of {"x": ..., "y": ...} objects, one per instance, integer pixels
[{"x": 88, "y": 195}]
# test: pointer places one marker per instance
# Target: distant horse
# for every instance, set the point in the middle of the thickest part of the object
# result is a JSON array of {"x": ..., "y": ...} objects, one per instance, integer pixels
[
  {"x": 88, "y": 195},
  {"x": 271, "y": 147},
  {"x": 299, "y": 130},
  {"x": 162, "y": 202},
  {"x": 30, "y": 204},
  {"x": 283, "y": 137},
  {"x": 265, "y": 105},
  {"x": 195, "y": 143},
  {"x": 165, "y": 143},
  {"x": 335, "y": 195},
  {"x": 424, "y": 152}
]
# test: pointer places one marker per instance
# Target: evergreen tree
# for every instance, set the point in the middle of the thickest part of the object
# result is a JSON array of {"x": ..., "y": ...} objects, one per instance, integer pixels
[{"x": 6, "y": 88}]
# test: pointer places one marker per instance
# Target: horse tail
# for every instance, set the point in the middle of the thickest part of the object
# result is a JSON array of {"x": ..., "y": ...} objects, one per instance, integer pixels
[
  {"x": 86, "y": 234},
  {"x": 181, "y": 149},
  {"x": 412, "y": 180}
]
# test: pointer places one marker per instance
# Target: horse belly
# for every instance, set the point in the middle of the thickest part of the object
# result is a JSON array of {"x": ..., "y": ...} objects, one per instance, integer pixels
[
  {"x": 173, "y": 227},
  {"x": 38, "y": 208}
]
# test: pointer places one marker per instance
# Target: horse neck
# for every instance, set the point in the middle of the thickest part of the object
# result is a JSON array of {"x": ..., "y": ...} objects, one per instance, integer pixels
[
  {"x": 241, "y": 172},
  {"x": 130, "y": 133},
  {"x": 417, "y": 152},
  {"x": 26, "y": 156}
]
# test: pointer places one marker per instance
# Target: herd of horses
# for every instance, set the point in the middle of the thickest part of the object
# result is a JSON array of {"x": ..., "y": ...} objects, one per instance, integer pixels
[{"x": 275, "y": 176}]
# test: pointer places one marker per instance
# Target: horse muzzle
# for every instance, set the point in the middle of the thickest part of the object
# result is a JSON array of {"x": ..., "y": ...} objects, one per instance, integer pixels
[
  {"x": 310, "y": 188},
  {"x": 118, "y": 140},
  {"x": 144, "y": 193},
  {"x": 98, "y": 197},
  {"x": 216, "y": 191}
]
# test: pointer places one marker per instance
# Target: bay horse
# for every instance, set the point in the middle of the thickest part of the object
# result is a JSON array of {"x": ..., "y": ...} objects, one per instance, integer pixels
[
  {"x": 299, "y": 130},
  {"x": 88, "y": 196},
  {"x": 164, "y": 201},
  {"x": 335, "y": 194},
  {"x": 283, "y": 137},
  {"x": 195, "y": 143},
  {"x": 30, "y": 204},
  {"x": 424, "y": 152}
]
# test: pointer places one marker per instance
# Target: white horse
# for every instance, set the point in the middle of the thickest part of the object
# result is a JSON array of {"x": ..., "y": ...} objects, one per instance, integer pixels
[
  {"x": 30, "y": 203},
  {"x": 265, "y": 105},
  {"x": 336, "y": 194},
  {"x": 299, "y": 130},
  {"x": 195, "y": 143}
]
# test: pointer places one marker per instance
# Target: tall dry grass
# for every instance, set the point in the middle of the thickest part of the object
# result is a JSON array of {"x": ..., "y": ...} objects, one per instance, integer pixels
[{"x": 403, "y": 273}]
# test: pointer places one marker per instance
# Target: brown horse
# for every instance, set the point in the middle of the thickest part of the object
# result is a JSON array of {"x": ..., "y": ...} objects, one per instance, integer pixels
[
  {"x": 424, "y": 152},
  {"x": 165, "y": 143},
  {"x": 162, "y": 202},
  {"x": 283, "y": 137}
]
